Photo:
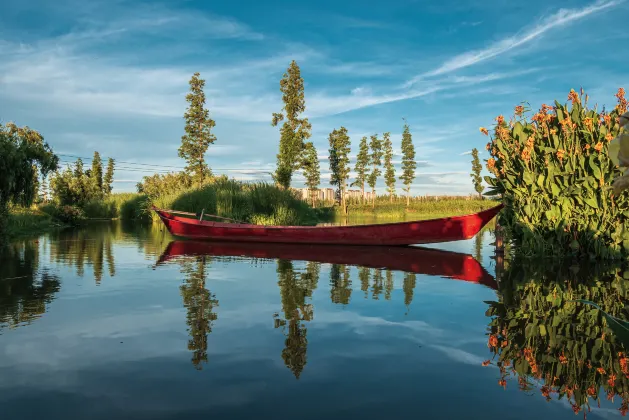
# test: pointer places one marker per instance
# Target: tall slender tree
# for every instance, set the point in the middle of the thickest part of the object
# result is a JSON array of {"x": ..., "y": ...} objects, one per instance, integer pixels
[
  {"x": 295, "y": 130},
  {"x": 389, "y": 170},
  {"x": 362, "y": 161},
  {"x": 375, "y": 160},
  {"x": 108, "y": 179},
  {"x": 96, "y": 174},
  {"x": 311, "y": 169},
  {"x": 476, "y": 169},
  {"x": 198, "y": 137},
  {"x": 339, "y": 161},
  {"x": 408, "y": 162}
]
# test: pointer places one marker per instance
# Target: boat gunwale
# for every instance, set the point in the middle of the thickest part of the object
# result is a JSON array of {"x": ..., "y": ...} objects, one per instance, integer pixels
[{"x": 207, "y": 223}]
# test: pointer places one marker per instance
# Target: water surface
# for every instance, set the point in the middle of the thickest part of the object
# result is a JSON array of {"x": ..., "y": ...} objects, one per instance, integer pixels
[{"x": 125, "y": 322}]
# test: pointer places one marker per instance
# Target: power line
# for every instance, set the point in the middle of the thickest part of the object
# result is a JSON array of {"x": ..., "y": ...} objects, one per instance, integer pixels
[
  {"x": 161, "y": 171},
  {"x": 120, "y": 161}
]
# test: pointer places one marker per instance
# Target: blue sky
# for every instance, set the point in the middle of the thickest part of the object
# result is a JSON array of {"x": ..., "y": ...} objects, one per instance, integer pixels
[{"x": 112, "y": 75}]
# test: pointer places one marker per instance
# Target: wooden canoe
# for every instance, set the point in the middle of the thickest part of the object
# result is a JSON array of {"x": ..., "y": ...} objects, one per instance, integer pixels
[
  {"x": 432, "y": 262},
  {"x": 391, "y": 234}
]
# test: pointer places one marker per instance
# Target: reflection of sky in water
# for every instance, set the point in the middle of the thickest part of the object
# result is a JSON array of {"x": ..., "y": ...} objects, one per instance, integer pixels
[{"x": 119, "y": 350}]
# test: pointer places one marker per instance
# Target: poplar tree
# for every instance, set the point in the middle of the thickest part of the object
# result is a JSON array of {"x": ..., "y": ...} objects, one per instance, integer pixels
[
  {"x": 295, "y": 130},
  {"x": 375, "y": 160},
  {"x": 109, "y": 177},
  {"x": 96, "y": 174},
  {"x": 362, "y": 161},
  {"x": 389, "y": 170},
  {"x": 198, "y": 137},
  {"x": 311, "y": 170},
  {"x": 408, "y": 162},
  {"x": 339, "y": 160},
  {"x": 476, "y": 169}
]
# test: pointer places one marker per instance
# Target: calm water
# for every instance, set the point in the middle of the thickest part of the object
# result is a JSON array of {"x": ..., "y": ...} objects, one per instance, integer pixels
[{"x": 123, "y": 322}]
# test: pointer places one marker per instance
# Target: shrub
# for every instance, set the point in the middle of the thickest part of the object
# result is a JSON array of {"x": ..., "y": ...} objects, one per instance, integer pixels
[{"x": 554, "y": 176}]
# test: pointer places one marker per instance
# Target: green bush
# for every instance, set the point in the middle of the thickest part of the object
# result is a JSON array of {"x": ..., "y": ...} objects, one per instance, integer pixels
[
  {"x": 71, "y": 215},
  {"x": 554, "y": 176}
]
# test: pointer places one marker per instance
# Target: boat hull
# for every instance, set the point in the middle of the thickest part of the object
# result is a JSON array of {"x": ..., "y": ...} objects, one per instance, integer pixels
[
  {"x": 432, "y": 262},
  {"x": 389, "y": 234}
]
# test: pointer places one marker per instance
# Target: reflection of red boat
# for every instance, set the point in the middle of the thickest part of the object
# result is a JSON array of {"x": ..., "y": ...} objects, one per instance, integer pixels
[
  {"x": 402, "y": 233},
  {"x": 432, "y": 262}
]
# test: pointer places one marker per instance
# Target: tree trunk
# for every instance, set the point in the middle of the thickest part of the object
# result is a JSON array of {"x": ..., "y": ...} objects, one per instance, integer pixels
[
  {"x": 362, "y": 188},
  {"x": 408, "y": 199},
  {"x": 390, "y": 198},
  {"x": 373, "y": 199}
]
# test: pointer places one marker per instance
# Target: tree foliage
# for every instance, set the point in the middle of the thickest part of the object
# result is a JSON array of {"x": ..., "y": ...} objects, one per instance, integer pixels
[
  {"x": 108, "y": 179},
  {"x": 295, "y": 130},
  {"x": 408, "y": 162},
  {"x": 311, "y": 169},
  {"x": 476, "y": 169},
  {"x": 362, "y": 161},
  {"x": 24, "y": 155},
  {"x": 375, "y": 160},
  {"x": 339, "y": 160},
  {"x": 96, "y": 172},
  {"x": 198, "y": 137},
  {"x": 76, "y": 186},
  {"x": 389, "y": 170}
]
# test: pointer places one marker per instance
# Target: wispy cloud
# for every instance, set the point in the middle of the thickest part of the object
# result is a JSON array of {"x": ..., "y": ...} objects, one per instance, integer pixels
[{"x": 562, "y": 18}]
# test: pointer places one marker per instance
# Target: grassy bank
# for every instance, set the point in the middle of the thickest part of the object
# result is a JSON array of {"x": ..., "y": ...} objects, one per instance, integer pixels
[
  {"x": 426, "y": 208},
  {"x": 258, "y": 203},
  {"x": 30, "y": 221}
]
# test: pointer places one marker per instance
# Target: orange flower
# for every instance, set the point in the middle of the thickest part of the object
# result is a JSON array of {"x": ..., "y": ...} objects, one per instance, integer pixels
[
  {"x": 545, "y": 391},
  {"x": 587, "y": 147},
  {"x": 560, "y": 154},
  {"x": 484, "y": 131},
  {"x": 623, "y": 365},
  {"x": 609, "y": 137},
  {"x": 576, "y": 408},
  {"x": 502, "y": 383},
  {"x": 553, "y": 131},
  {"x": 486, "y": 363},
  {"x": 622, "y": 102},
  {"x": 563, "y": 359},
  {"x": 493, "y": 340},
  {"x": 573, "y": 97},
  {"x": 589, "y": 124},
  {"x": 488, "y": 146},
  {"x": 504, "y": 344},
  {"x": 591, "y": 391},
  {"x": 612, "y": 380},
  {"x": 491, "y": 164},
  {"x": 519, "y": 110},
  {"x": 601, "y": 371},
  {"x": 607, "y": 119},
  {"x": 500, "y": 119},
  {"x": 598, "y": 147}
]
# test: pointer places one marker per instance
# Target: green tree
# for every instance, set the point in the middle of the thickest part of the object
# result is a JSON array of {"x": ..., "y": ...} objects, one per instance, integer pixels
[
  {"x": 408, "y": 162},
  {"x": 23, "y": 154},
  {"x": 198, "y": 137},
  {"x": 476, "y": 169},
  {"x": 311, "y": 169},
  {"x": 389, "y": 170},
  {"x": 375, "y": 160},
  {"x": 108, "y": 179},
  {"x": 96, "y": 174},
  {"x": 362, "y": 161},
  {"x": 339, "y": 161},
  {"x": 295, "y": 130}
]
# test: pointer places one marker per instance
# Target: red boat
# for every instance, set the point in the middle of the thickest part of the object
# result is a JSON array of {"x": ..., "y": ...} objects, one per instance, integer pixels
[
  {"x": 432, "y": 262},
  {"x": 402, "y": 233}
]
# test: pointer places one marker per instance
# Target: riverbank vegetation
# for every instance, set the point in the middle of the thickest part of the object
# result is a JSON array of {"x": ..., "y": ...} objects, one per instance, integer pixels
[{"x": 553, "y": 173}]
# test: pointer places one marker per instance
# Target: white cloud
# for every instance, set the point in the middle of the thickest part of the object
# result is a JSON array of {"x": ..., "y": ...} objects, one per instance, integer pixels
[{"x": 561, "y": 18}]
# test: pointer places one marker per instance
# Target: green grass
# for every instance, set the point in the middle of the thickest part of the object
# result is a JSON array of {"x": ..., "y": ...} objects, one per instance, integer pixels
[
  {"x": 29, "y": 221},
  {"x": 258, "y": 203},
  {"x": 115, "y": 206},
  {"x": 419, "y": 209}
]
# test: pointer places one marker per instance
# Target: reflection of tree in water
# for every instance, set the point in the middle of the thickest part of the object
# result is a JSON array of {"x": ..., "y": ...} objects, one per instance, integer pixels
[
  {"x": 25, "y": 290},
  {"x": 340, "y": 284},
  {"x": 295, "y": 288},
  {"x": 540, "y": 335},
  {"x": 409, "y": 286},
  {"x": 376, "y": 287},
  {"x": 200, "y": 303}
]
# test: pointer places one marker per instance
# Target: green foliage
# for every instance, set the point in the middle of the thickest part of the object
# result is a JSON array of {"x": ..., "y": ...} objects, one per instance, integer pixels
[
  {"x": 23, "y": 221},
  {"x": 166, "y": 184},
  {"x": 554, "y": 175},
  {"x": 198, "y": 135},
  {"x": 311, "y": 169},
  {"x": 23, "y": 155},
  {"x": 375, "y": 160},
  {"x": 339, "y": 159},
  {"x": 75, "y": 187},
  {"x": 408, "y": 161},
  {"x": 418, "y": 208},
  {"x": 109, "y": 176},
  {"x": 544, "y": 335},
  {"x": 258, "y": 203},
  {"x": 71, "y": 215},
  {"x": 476, "y": 169},
  {"x": 96, "y": 173},
  {"x": 295, "y": 130},
  {"x": 389, "y": 170},
  {"x": 362, "y": 161}
]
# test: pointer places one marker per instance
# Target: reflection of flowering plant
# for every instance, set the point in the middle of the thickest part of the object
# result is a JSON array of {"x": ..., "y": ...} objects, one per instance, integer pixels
[{"x": 538, "y": 332}]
